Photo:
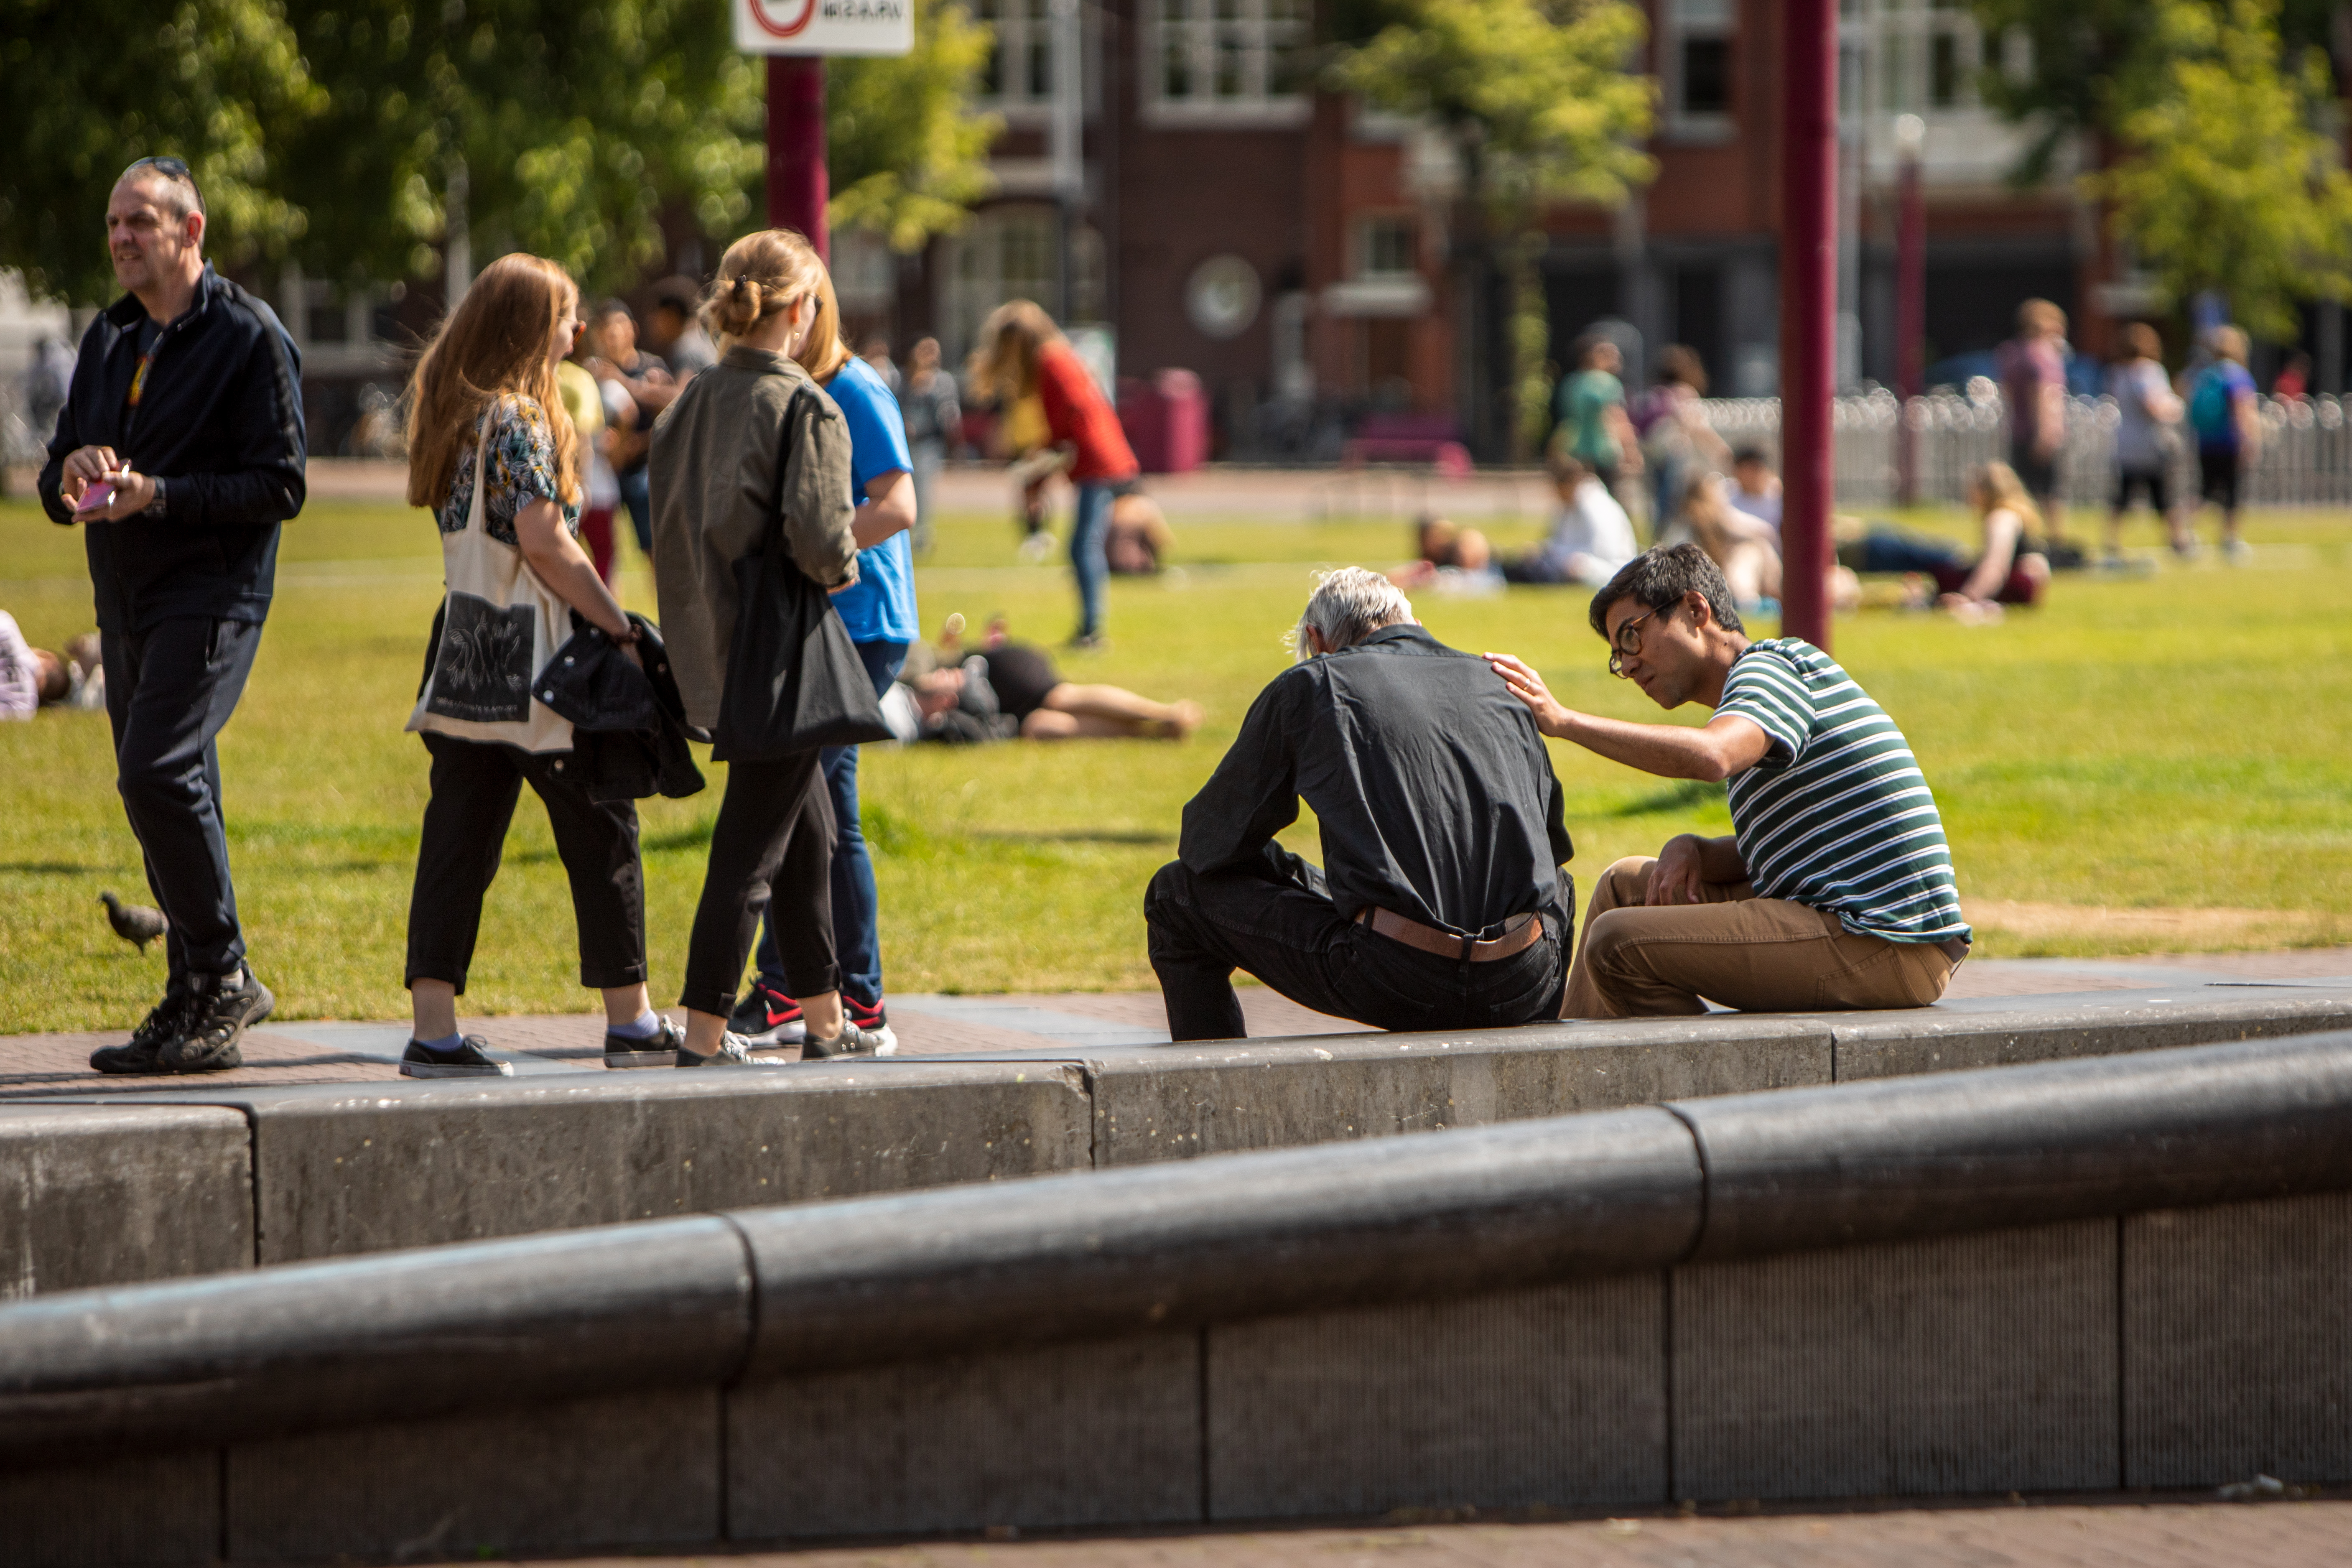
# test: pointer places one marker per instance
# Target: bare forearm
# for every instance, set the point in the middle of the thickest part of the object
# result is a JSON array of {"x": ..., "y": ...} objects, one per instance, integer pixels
[
  {"x": 566, "y": 568},
  {"x": 1669, "y": 751}
]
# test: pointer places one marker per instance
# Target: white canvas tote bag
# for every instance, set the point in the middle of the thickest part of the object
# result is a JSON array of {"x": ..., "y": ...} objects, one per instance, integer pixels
[{"x": 500, "y": 627}]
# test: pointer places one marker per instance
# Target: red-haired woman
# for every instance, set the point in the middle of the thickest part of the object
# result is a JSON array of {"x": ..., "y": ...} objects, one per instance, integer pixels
[
  {"x": 1022, "y": 353},
  {"x": 493, "y": 454}
]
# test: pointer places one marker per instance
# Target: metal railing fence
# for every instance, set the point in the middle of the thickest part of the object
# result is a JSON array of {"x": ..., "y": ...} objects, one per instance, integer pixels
[{"x": 2305, "y": 457}]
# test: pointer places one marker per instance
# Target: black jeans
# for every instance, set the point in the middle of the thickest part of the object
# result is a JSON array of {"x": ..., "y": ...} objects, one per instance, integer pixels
[
  {"x": 475, "y": 787},
  {"x": 168, "y": 692},
  {"x": 1279, "y": 922},
  {"x": 771, "y": 853}
]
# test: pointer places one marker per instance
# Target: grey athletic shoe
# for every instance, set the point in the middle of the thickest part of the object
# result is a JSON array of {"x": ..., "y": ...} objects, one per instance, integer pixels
[
  {"x": 470, "y": 1059},
  {"x": 658, "y": 1049},
  {"x": 734, "y": 1051},
  {"x": 221, "y": 1008},
  {"x": 852, "y": 1041}
]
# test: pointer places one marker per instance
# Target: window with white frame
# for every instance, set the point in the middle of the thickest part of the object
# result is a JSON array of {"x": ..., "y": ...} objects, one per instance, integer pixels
[
  {"x": 1222, "y": 61},
  {"x": 1915, "y": 57},
  {"x": 1696, "y": 62},
  {"x": 1387, "y": 247},
  {"x": 1020, "y": 71}
]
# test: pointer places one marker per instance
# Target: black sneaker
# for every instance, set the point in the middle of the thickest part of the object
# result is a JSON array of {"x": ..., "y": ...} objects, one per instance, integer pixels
[
  {"x": 143, "y": 1053},
  {"x": 658, "y": 1049},
  {"x": 734, "y": 1051},
  {"x": 768, "y": 1017},
  {"x": 873, "y": 1020},
  {"x": 221, "y": 1008},
  {"x": 852, "y": 1041},
  {"x": 468, "y": 1058}
]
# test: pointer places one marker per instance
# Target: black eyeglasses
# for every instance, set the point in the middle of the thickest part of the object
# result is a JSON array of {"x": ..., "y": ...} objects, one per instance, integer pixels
[{"x": 1628, "y": 638}]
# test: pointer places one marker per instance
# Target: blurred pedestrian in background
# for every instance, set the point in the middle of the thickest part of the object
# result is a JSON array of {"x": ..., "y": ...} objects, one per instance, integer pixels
[
  {"x": 2033, "y": 382},
  {"x": 493, "y": 452},
  {"x": 875, "y": 352},
  {"x": 2295, "y": 379},
  {"x": 1589, "y": 412},
  {"x": 47, "y": 381},
  {"x": 2221, "y": 410},
  {"x": 753, "y": 463},
  {"x": 878, "y": 610},
  {"x": 1676, "y": 439},
  {"x": 647, "y": 380},
  {"x": 2147, "y": 416},
  {"x": 584, "y": 400},
  {"x": 31, "y": 678},
  {"x": 934, "y": 420},
  {"x": 1022, "y": 353},
  {"x": 1745, "y": 548},
  {"x": 181, "y": 447},
  {"x": 685, "y": 347},
  {"x": 1755, "y": 488},
  {"x": 1591, "y": 536}
]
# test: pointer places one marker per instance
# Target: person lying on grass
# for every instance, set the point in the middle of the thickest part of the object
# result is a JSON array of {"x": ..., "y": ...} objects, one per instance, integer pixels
[
  {"x": 1834, "y": 889},
  {"x": 1009, "y": 689}
]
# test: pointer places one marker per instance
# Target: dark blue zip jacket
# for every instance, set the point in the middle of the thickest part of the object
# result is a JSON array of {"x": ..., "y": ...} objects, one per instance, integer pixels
[{"x": 220, "y": 423}]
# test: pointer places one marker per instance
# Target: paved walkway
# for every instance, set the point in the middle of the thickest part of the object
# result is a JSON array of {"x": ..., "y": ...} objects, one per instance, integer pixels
[
  {"x": 2122, "y": 1532},
  {"x": 333, "y": 1051}
]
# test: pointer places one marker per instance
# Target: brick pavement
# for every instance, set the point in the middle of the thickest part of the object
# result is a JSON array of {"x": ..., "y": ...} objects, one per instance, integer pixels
[
  {"x": 2106, "y": 1532},
  {"x": 319, "y": 1051}
]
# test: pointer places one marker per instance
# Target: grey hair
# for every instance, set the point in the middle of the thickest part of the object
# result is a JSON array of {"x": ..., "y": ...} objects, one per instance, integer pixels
[{"x": 1350, "y": 603}]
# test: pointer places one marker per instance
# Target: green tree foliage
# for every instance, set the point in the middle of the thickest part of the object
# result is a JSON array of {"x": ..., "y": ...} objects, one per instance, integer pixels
[
  {"x": 1537, "y": 95},
  {"x": 2207, "y": 123},
  {"x": 2229, "y": 181},
  {"x": 86, "y": 88},
  {"x": 907, "y": 155},
  {"x": 575, "y": 123}
]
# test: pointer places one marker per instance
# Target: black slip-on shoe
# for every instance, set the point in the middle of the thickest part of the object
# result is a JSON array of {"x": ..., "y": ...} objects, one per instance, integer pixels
[
  {"x": 221, "y": 1008},
  {"x": 658, "y": 1049},
  {"x": 469, "y": 1058},
  {"x": 852, "y": 1041},
  {"x": 734, "y": 1051}
]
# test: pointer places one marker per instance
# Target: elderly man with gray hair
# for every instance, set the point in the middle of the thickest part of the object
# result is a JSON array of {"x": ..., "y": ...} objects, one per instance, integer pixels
[{"x": 1440, "y": 904}]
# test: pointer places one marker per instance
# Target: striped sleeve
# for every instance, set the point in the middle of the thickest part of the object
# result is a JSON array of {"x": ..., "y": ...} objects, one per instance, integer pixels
[{"x": 1768, "y": 692}]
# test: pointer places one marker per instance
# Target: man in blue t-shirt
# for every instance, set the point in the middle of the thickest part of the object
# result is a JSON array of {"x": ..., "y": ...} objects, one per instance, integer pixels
[
  {"x": 1835, "y": 887},
  {"x": 880, "y": 611},
  {"x": 2221, "y": 410}
]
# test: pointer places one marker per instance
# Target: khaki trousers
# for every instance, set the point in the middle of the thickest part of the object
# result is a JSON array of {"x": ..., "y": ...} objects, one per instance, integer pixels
[{"x": 1758, "y": 955}]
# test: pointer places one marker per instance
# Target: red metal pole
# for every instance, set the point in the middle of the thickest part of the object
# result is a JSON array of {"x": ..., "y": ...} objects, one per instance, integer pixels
[
  {"x": 1809, "y": 247},
  {"x": 1910, "y": 316},
  {"x": 798, "y": 188}
]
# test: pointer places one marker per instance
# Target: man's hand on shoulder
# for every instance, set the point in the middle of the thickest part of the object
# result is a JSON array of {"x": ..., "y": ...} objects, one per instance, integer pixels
[{"x": 1524, "y": 683}]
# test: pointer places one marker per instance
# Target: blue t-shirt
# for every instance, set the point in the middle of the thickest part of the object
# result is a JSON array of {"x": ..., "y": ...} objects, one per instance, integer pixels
[{"x": 881, "y": 607}]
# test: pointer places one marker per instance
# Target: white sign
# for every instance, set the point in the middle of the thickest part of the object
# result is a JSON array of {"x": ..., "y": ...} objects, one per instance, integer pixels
[{"x": 824, "y": 27}]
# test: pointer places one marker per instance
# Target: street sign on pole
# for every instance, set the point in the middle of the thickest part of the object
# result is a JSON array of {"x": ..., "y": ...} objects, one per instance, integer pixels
[
  {"x": 796, "y": 35},
  {"x": 824, "y": 27}
]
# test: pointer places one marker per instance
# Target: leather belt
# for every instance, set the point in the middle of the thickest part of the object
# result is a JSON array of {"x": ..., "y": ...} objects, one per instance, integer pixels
[{"x": 1444, "y": 944}]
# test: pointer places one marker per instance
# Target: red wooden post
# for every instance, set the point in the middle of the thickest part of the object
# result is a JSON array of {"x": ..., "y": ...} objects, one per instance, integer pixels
[
  {"x": 1809, "y": 247},
  {"x": 798, "y": 187},
  {"x": 1910, "y": 300}
]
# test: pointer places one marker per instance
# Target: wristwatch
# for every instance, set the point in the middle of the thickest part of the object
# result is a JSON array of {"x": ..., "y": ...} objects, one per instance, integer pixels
[{"x": 157, "y": 506}]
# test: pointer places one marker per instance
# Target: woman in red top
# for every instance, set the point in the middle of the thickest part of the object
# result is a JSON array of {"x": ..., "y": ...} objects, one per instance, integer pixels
[{"x": 1022, "y": 352}]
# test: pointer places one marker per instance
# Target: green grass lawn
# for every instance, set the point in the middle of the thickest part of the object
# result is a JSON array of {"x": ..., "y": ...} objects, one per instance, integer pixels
[{"x": 2176, "y": 743}]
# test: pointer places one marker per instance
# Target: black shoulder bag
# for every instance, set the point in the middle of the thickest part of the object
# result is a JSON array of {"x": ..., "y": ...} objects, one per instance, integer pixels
[{"x": 795, "y": 681}]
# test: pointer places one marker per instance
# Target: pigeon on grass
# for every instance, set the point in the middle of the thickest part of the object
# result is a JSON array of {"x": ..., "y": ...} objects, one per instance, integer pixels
[{"x": 134, "y": 922}]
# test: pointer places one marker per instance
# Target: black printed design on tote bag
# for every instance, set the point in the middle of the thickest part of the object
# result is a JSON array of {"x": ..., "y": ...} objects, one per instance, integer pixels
[{"x": 483, "y": 670}]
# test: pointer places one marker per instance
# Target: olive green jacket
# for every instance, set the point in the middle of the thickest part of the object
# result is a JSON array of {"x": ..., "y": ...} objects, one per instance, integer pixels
[{"x": 712, "y": 472}]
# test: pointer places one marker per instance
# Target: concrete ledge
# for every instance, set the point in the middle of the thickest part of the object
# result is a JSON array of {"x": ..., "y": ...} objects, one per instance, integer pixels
[
  {"x": 103, "y": 1196},
  {"x": 347, "y": 1169},
  {"x": 2237, "y": 1341},
  {"x": 2012, "y": 1031}
]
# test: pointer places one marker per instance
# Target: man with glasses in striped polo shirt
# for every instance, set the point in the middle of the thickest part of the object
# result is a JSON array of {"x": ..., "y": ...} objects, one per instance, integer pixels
[{"x": 1834, "y": 889}]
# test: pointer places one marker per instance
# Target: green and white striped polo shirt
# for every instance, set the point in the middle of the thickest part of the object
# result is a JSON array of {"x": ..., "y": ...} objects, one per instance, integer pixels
[{"x": 1837, "y": 816}]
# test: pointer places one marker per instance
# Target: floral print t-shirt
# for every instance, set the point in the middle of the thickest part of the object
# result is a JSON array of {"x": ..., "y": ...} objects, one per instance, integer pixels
[{"x": 521, "y": 470}]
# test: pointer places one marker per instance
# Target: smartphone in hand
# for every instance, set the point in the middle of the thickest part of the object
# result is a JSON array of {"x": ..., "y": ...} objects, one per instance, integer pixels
[{"x": 95, "y": 497}]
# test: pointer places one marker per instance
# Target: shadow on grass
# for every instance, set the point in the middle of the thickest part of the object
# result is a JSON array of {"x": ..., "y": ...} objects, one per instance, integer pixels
[
  {"x": 1682, "y": 797},
  {"x": 57, "y": 868}
]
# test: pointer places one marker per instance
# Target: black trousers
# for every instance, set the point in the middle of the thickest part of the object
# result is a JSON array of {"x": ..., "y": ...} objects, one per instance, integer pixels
[
  {"x": 169, "y": 690},
  {"x": 772, "y": 854},
  {"x": 475, "y": 787},
  {"x": 1277, "y": 922}
]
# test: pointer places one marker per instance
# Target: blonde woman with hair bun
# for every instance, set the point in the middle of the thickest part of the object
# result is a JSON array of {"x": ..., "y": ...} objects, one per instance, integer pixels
[
  {"x": 752, "y": 457},
  {"x": 878, "y": 613}
]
